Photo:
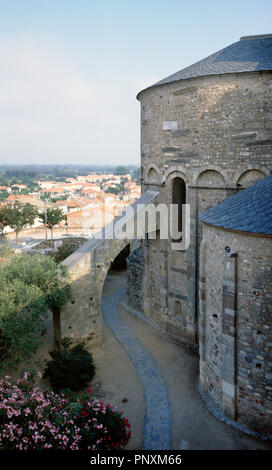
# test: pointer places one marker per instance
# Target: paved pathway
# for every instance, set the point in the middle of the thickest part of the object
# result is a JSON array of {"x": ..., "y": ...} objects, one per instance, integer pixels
[{"x": 157, "y": 427}]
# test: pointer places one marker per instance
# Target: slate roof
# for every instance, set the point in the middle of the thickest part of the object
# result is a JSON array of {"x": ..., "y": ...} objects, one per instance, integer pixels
[
  {"x": 250, "y": 54},
  {"x": 250, "y": 210}
]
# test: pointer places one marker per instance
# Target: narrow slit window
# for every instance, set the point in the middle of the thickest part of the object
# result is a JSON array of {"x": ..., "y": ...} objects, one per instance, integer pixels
[{"x": 179, "y": 198}]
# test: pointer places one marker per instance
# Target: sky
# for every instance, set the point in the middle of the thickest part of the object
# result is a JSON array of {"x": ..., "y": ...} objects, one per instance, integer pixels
[{"x": 71, "y": 69}]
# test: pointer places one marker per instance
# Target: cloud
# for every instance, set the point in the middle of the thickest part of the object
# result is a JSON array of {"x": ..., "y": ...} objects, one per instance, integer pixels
[{"x": 52, "y": 112}]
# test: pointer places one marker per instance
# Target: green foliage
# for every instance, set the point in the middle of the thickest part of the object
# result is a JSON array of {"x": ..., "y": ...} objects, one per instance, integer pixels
[
  {"x": 25, "y": 191},
  {"x": 64, "y": 197},
  {"x": 49, "y": 198},
  {"x": 66, "y": 250},
  {"x": 114, "y": 189},
  {"x": 63, "y": 252},
  {"x": 2, "y": 223},
  {"x": 58, "y": 422},
  {"x": 14, "y": 176},
  {"x": 29, "y": 286},
  {"x": 26, "y": 174},
  {"x": 43, "y": 272},
  {"x": 17, "y": 216},
  {"x": 45, "y": 196},
  {"x": 136, "y": 174},
  {"x": 70, "y": 368},
  {"x": 121, "y": 170},
  {"x": 3, "y": 195},
  {"x": 118, "y": 187},
  {"x": 52, "y": 217},
  {"x": 116, "y": 426},
  {"x": 22, "y": 313},
  {"x": 5, "y": 250}
]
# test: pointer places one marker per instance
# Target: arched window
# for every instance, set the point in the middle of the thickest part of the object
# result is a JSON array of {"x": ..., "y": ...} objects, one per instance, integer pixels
[
  {"x": 177, "y": 308},
  {"x": 179, "y": 198}
]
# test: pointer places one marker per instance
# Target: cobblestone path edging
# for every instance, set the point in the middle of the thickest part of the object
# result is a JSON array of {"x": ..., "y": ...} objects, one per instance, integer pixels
[{"x": 157, "y": 424}]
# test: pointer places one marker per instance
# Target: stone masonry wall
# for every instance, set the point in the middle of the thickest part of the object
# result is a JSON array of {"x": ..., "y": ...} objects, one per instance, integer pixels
[
  {"x": 216, "y": 134},
  {"x": 236, "y": 360},
  {"x": 221, "y": 120},
  {"x": 135, "y": 274},
  {"x": 81, "y": 318}
]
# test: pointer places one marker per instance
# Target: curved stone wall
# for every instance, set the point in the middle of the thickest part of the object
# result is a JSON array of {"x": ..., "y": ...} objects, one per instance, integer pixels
[
  {"x": 221, "y": 120},
  {"x": 216, "y": 134}
]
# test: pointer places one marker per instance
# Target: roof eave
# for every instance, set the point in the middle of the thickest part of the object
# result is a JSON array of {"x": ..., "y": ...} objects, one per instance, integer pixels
[
  {"x": 201, "y": 76},
  {"x": 243, "y": 232}
]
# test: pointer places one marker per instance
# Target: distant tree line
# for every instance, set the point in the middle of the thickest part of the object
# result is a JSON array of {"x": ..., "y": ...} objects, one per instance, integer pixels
[
  {"x": 23, "y": 175},
  {"x": 26, "y": 174}
]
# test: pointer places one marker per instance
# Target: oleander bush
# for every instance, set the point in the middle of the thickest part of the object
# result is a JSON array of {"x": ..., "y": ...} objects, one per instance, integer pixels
[
  {"x": 64, "y": 251},
  {"x": 70, "y": 368},
  {"x": 32, "y": 418},
  {"x": 110, "y": 430},
  {"x": 68, "y": 247}
]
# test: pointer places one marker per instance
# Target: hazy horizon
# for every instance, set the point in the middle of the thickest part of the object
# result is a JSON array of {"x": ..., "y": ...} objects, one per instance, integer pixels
[
  {"x": 33, "y": 165},
  {"x": 71, "y": 70}
]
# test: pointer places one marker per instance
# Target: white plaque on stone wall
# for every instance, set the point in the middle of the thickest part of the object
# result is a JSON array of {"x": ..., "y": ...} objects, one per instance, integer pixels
[{"x": 170, "y": 125}]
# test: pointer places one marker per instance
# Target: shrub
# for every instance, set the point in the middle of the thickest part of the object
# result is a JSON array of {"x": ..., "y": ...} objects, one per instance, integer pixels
[
  {"x": 22, "y": 313},
  {"x": 109, "y": 430},
  {"x": 70, "y": 368},
  {"x": 5, "y": 250},
  {"x": 64, "y": 251},
  {"x": 31, "y": 418},
  {"x": 69, "y": 246}
]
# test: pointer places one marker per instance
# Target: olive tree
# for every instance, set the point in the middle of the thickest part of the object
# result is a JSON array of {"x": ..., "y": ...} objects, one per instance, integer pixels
[
  {"x": 17, "y": 216},
  {"x": 52, "y": 217},
  {"x": 29, "y": 287}
]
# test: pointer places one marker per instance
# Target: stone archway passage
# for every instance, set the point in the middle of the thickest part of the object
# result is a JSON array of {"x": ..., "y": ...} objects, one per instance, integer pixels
[
  {"x": 88, "y": 267},
  {"x": 157, "y": 426}
]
